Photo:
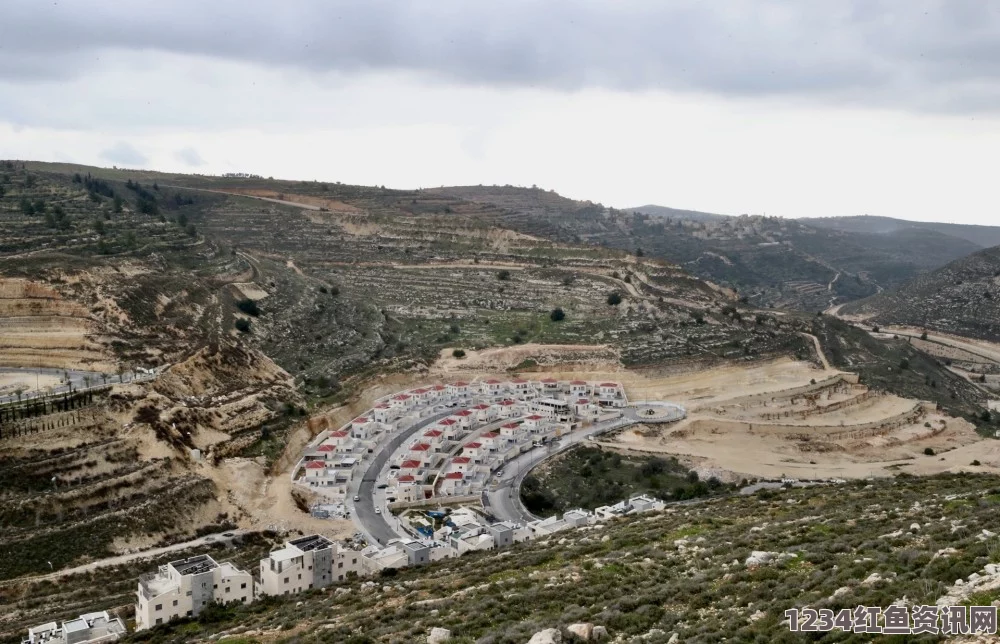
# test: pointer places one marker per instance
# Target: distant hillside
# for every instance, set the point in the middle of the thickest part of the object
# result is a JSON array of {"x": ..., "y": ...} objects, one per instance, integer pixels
[
  {"x": 982, "y": 236},
  {"x": 664, "y": 211},
  {"x": 772, "y": 261},
  {"x": 962, "y": 297}
]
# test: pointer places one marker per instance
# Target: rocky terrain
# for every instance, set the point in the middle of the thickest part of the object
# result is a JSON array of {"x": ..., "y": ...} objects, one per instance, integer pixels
[
  {"x": 723, "y": 569},
  {"x": 771, "y": 261},
  {"x": 213, "y": 323},
  {"x": 962, "y": 298}
]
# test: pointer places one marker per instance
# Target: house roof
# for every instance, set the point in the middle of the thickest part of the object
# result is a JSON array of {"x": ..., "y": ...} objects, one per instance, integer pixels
[
  {"x": 463, "y": 413},
  {"x": 474, "y": 445},
  {"x": 315, "y": 465},
  {"x": 519, "y": 381},
  {"x": 401, "y": 397},
  {"x": 326, "y": 448},
  {"x": 410, "y": 465},
  {"x": 420, "y": 447},
  {"x": 460, "y": 383},
  {"x": 534, "y": 417},
  {"x": 406, "y": 478},
  {"x": 578, "y": 382},
  {"x": 419, "y": 391},
  {"x": 453, "y": 476},
  {"x": 340, "y": 433},
  {"x": 481, "y": 406},
  {"x": 361, "y": 419},
  {"x": 610, "y": 384},
  {"x": 461, "y": 460},
  {"x": 381, "y": 406},
  {"x": 489, "y": 435},
  {"x": 506, "y": 403},
  {"x": 583, "y": 401},
  {"x": 447, "y": 422},
  {"x": 438, "y": 388},
  {"x": 433, "y": 433},
  {"x": 511, "y": 425},
  {"x": 493, "y": 381}
]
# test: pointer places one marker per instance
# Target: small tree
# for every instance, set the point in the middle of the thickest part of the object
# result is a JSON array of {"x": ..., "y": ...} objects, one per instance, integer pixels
[
  {"x": 904, "y": 363},
  {"x": 928, "y": 451},
  {"x": 458, "y": 353},
  {"x": 243, "y": 325},
  {"x": 614, "y": 298},
  {"x": 557, "y": 315},
  {"x": 503, "y": 275},
  {"x": 923, "y": 336}
]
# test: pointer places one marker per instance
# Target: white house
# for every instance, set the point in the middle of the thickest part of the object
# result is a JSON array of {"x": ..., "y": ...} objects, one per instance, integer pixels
[
  {"x": 89, "y": 628},
  {"x": 459, "y": 389},
  {"x": 520, "y": 386},
  {"x": 315, "y": 469},
  {"x": 585, "y": 408},
  {"x": 308, "y": 562},
  {"x": 549, "y": 385},
  {"x": 511, "y": 431},
  {"x": 421, "y": 395},
  {"x": 483, "y": 413},
  {"x": 491, "y": 387},
  {"x": 464, "y": 418},
  {"x": 401, "y": 401},
  {"x": 578, "y": 388},
  {"x": 363, "y": 428},
  {"x": 382, "y": 413},
  {"x": 461, "y": 464},
  {"x": 474, "y": 451},
  {"x": 422, "y": 452},
  {"x": 506, "y": 408},
  {"x": 451, "y": 429},
  {"x": 534, "y": 423},
  {"x": 452, "y": 483},
  {"x": 183, "y": 588}
]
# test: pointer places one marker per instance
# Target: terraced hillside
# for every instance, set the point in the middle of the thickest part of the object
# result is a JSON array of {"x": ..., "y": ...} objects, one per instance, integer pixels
[
  {"x": 962, "y": 298},
  {"x": 722, "y": 569},
  {"x": 774, "y": 262}
]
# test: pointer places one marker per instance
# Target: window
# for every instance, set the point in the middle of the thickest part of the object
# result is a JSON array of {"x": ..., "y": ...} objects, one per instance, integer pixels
[
  {"x": 243, "y": 585},
  {"x": 188, "y": 613},
  {"x": 215, "y": 586},
  {"x": 340, "y": 565},
  {"x": 286, "y": 580},
  {"x": 159, "y": 620},
  {"x": 354, "y": 561},
  {"x": 227, "y": 589},
  {"x": 175, "y": 602},
  {"x": 300, "y": 575},
  {"x": 159, "y": 607},
  {"x": 189, "y": 593},
  {"x": 309, "y": 568}
]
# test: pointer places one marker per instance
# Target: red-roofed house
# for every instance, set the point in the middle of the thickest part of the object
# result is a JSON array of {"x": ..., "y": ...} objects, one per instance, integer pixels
[
  {"x": 452, "y": 483},
  {"x": 420, "y": 395},
  {"x": 460, "y": 463},
  {"x": 474, "y": 451},
  {"x": 483, "y": 413},
  {"x": 436, "y": 390},
  {"x": 434, "y": 437},
  {"x": 363, "y": 428},
  {"x": 506, "y": 408},
  {"x": 401, "y": 401},
  {"x": 585, "y": 408},
  {"x": 491, "y": 386},
  {"x": 422, "y": 451},
  {"x": 490, "y": 441},
  {"x": 410, "y": 464},
  {"x": 450, "y": 428},
  {"x": 521, "y": 386},
  {"x": 464, "y": 418},
  {"x": 533, "y": 422},
  {"x": 315, "y": 469},
  {"x": 549, "y": 384},
  {"x": 611, "y": 395},
  {"x": 340, "y": 438},
  {"x": 579, "y": 388},
  {"x": 511, "y": 430},
  {"x": 406, "y": 488}
]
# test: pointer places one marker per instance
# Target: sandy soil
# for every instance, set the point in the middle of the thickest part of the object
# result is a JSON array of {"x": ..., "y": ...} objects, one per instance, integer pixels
[{"x": 15, "y": 380}]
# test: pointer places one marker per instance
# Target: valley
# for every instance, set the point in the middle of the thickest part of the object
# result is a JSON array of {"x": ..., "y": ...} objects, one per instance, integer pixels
[{"x": 176, "y": 348}]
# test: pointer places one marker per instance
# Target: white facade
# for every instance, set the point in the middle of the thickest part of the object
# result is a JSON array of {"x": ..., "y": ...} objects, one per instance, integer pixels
[
  {"x": 89, "y": 628},
  {"x": 183, "y": 588},
  {"x": 308, "y": 562}
]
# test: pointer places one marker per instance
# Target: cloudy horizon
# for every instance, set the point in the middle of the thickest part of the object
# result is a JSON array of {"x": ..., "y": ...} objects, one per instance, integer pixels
[{"x": 792, "y": 109}]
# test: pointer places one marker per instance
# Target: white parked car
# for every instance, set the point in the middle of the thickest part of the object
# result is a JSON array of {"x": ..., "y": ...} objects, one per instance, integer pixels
[{"x": 378, "y": 510}]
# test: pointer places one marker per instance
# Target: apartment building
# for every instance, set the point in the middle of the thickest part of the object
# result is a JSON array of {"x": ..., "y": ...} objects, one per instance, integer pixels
[
  {"x": 308, "y": 562},
  {"x": 183, "y": 588}
]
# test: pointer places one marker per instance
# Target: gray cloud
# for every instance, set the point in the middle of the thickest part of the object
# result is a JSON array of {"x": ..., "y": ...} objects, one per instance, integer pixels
[
  {"x": 189, "y": 156},
  {"x": 123, "y": 153},
  {"x": 922, "y": 55}
]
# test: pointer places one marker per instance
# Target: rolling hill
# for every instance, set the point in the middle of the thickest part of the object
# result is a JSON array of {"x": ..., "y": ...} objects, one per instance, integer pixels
[{"x": 961, "y": 298}]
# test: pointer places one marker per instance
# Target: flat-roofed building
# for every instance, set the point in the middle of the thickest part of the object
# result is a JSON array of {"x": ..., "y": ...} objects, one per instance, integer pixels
[
  {"x": 308, "y": 562},
  {"x": 89, "y": 628},
  {"x": 184, "y": 587},
  {"x": 552, "y": 408}
]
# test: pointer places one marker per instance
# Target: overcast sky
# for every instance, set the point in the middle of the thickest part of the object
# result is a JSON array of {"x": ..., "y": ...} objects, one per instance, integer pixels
[{"x": 788, "y": 108}]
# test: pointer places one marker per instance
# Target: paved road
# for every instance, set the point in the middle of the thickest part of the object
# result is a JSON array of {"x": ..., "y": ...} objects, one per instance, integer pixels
[
  {"x": 375, "y": 525},
  {"x": 504, "y": 500},
  {"x": 144, "y": 554}
]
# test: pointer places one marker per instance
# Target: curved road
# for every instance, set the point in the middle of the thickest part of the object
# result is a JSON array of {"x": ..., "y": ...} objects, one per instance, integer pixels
[{"x": 364, "y": 510}]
